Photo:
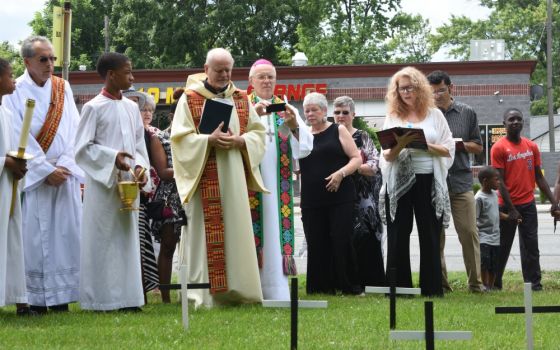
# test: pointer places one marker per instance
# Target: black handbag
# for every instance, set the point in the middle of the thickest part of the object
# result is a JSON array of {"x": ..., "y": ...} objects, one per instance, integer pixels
[{"x": 158, "y": 210}]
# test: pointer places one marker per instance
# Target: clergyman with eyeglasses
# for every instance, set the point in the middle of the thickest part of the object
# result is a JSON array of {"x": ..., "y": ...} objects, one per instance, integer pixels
[
  {"x": 52, "y": 208},
  {"x": 463, "y": 124},
  {"x": 288, "y": 138}
]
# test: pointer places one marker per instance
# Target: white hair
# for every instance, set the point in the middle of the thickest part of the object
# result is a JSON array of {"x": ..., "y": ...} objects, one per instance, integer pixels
[
  {"x": 344, "y": 101},
  {"x": 252, "y": 70},
  {"x": 316, "y": 98},
  {"x": 218, "y": 53},
  {"x": 27, "y": 50},
  {"x": 143, "y": 99},
  {"x": 150, "y": 101}
]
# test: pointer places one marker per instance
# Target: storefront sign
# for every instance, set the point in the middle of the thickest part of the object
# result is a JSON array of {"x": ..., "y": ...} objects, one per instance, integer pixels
[{"x": 294, "y": 92}]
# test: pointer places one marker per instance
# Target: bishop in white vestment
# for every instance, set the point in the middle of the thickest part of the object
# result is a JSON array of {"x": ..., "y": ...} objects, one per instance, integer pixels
[
  {"x": 273, "y": 219},
  {"x": 110, "y": 265}
]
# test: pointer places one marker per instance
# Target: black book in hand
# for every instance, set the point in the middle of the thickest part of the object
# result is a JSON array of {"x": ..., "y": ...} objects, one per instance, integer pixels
[
  {"x": 459, "y": 144},
  {"x": 215, "y": 111},
  {"x": 387, "y": 137}
]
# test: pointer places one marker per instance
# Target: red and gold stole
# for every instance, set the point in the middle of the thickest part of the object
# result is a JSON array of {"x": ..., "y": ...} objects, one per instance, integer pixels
[
  {"x": 210, "y": 193},
  {"x": 54, "y": 114}
]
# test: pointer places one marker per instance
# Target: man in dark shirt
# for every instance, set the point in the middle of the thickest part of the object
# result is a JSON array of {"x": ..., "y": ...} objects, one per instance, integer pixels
[{"x": 464, "y": 127}]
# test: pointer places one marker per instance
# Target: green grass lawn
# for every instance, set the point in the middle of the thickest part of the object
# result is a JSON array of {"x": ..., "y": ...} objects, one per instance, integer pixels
[{"x": 348, "y": 323}]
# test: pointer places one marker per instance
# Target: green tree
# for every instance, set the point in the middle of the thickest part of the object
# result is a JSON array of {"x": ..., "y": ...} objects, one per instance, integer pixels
[
  {"x": 521, "y": 23},
  {"x": 175, "y": 33},
  {"x": 87, "y": 28},
  {"x": 361, "y": 124},
  {"x": 408, "y": 39},
  {"x": 345, "y": 32},
  {"x": 8, "y": 52},
  {"x": 178, "y": 33}
]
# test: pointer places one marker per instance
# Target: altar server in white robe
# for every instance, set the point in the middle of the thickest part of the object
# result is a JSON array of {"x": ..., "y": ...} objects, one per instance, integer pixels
[
  {"x": 12, "y": 269},
  {"x": 287, "y": 138},
  {"x": 52, "y": 207},
  {"x": 110, "y": 141}
]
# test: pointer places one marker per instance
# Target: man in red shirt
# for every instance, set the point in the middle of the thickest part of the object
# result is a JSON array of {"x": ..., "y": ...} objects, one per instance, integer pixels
[{"x": 518, "y": 161}]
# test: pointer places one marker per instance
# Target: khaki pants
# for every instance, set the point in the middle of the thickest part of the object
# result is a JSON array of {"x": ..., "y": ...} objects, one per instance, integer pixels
[{"x": 464, "y": 218}]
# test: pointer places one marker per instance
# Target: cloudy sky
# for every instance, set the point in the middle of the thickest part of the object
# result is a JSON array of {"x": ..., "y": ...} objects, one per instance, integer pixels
[{"x": 16, "y": 14}]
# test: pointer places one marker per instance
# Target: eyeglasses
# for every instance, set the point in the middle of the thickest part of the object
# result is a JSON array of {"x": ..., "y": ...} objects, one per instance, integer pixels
[
  {"x": 341, "y": 112},
  {"x": 440, "y": 91},
  {"x": 147, "y": 110},
  {"x": 408, "y": 89},
  {"x": 44, "y": 59},
  {"x": 264, "y": 77}
]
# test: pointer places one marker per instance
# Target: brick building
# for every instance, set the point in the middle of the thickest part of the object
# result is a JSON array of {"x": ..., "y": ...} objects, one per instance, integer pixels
[{"x": 489, "y": 86}]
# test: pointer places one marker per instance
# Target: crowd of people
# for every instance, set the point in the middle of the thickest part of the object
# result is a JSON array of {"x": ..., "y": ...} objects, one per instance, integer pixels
[{"x": 227, "y": 196}]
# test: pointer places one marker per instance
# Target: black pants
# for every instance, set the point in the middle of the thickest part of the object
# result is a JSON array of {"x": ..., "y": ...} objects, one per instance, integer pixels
[
  {"x": 418, "y": 202},
  {"x": 369, "y": 260},
  {"x": 528, "y": 245},
  {"x": 330, "y": 265}
]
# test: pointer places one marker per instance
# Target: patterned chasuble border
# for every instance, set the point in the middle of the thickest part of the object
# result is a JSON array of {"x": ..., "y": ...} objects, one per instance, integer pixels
[
  {"x": 210, "y": 194},
  {"x": 54, "y": 114},
  {"x": 285, "y": 202}
]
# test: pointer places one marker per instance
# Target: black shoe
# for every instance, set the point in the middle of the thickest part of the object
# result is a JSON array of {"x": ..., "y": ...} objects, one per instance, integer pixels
[
  {"x": 59, "y": 308},
  {"x": 26, "y": 311},
  {"x": 130, "y": 309},
  {"x": 537, "y": 287},
  {"x": 41, "y": 310}
]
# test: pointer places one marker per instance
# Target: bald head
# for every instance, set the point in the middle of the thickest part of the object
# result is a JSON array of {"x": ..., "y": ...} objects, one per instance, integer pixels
[
  {"x": 218, "y": 66},
  {"x": 218, "y": 54}
]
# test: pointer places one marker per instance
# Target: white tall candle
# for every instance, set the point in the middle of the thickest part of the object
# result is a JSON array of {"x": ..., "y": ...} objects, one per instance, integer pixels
[{"x": 27, "y": 116}]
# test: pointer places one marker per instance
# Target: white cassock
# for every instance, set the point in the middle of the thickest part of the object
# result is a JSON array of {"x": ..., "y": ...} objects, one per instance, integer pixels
[
  {"x": 51, "y": 214},
  {"x": 12, "y": 270},
  {"x": 274, "y": 282},
  {"x": 110, "y": 265}
]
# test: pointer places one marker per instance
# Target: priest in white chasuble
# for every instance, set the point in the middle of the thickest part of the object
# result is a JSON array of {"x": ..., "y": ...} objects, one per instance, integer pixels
[
  {"x": 213, "y": 174},
  {"x": 52, "y": 205},
  {"x": 287, "y": 138}
]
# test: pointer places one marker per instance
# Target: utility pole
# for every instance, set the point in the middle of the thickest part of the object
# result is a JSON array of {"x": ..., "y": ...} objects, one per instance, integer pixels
[
  {"x": 106, "y": 32},
  {"x": 549, "y": 76},
  {"x": 66, "y": 39}
]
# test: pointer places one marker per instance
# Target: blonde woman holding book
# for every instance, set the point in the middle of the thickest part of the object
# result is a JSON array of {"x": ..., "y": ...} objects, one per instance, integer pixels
[{"x": 414, "y": 180}]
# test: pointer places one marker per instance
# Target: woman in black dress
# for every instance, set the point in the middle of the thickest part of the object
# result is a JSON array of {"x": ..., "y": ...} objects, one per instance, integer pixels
[
  {"x": 327, "y": 202},
  {"x": 368, "y": 230}
]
